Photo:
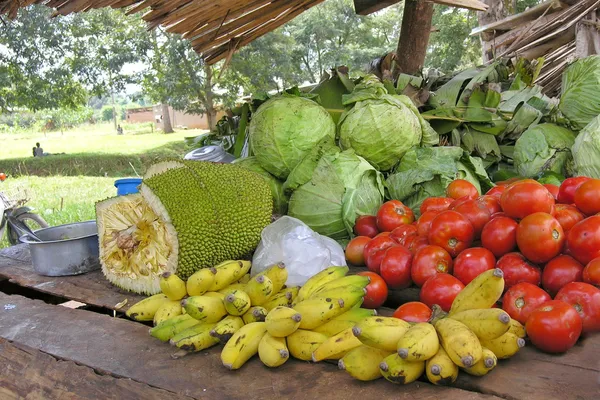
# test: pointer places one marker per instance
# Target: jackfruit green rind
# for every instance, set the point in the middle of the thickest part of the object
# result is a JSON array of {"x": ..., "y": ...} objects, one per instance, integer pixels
[{"x": 162, "y": 166}]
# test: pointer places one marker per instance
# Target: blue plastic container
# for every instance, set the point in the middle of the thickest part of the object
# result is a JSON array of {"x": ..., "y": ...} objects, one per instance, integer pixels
[{"x": 127, "y": 185}]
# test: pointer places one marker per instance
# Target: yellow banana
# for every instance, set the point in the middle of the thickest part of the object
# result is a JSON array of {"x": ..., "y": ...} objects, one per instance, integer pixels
[
  {"x": 217, "y": 295},
  {"x": 172, "y": 286},
  {"x": 362, "y": 362},
  {"x": 505, "y": 346},
  {"x": 144, "y": 310},
  {"x": 200, "y": 281},
  {"x": 232, "y": 287},
  {"x": 243, "y": 345},
  {"x": 244, "y": 279},
  {"x": 255, "y": 314},
  {"x": 486, "y": 364},
  {"x": 487, "y": 324},
  {"x": 517, "y": 328},
  {"x": 237, "y": 302},
  {"x": 319, "y": 279},
  {"x": 273, "y": 351},
  {"x": 283, "y": 298},
  {"x": 167, "y": 310},
  {"x": 282, "y": 321},
  {"x": 293, "y": 291},
  {"x": 303, "y": 343},
  {"x": 461, "y": 344},
  {"x": 225, "y": 328},
  {"x": 316, "y": 312},
  {"x": 278, "y": 274},
  {"x": 381, "y": 332},
  {"x": 396, "y": 370},
  {"x": 347, "y": 293},
  {"x": 419, "y": 343},
  {"x": 336, "y": 346},
  {"x": 260, "y": 289},
  {"x": 482, "y": 292},
  {"x": 204, "y": 308},
  {"x": 169, "y": 328},
  {"x": 195, "y": 338},
  {"x": 440, "y": 369},
  {"x": 345, "y": 321},
  {"x": 350, "y": 280},
  {"x": 229, "y": 272}
]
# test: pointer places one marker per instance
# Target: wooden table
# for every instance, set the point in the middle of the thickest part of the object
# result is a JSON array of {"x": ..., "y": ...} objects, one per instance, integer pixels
[{"x": 48, "y": 351}]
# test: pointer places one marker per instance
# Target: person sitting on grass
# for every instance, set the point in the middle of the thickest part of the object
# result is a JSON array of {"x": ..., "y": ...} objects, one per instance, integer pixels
[{"x": 38, "y": 151}]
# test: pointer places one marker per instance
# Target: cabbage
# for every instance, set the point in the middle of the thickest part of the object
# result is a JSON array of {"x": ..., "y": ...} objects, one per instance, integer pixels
[
  {"x": 544, "y": 147},
  {"x": 342, "y": 187},
  {"x": 284, "y": 129},
  {"x": 280, "y": 200},
  {"x": 586, "y": 150},
  {"x": 580, "y": 100},
  {"x": 381, "y": 127}
]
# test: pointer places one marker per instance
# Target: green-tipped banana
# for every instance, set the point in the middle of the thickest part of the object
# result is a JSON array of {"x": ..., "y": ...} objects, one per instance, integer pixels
[
  {"x": 303, "y": 343},
  {"x": 167, "y": 310},
  {"x": 144, "y": 310},
  {"x": 362, "y": 363},
  {"x": 172, "y": 286},
  {"x": 345, "y": 321},
  {"x": 204, "y": 308},
  {"x": 400, "y": 371},
  {"x": 195, "y": 338},
  {"x": 440, "y": 369},
  {"x": 336, "y": 346},
  {"x": 237, "y": 302},
  {"x": 350, "y": 280},
  {"x": 225, "y": 328},
  {"x": 255, "y": 314},
  {"x": 200, "y": 281},
  {"x": 283, "y": 299},
  {"x": 243, "y": 345},
  {"x": 487, "y": 324},
  {"x": 273, "y": 351},
  {"x": 486, "y": 364},
  {"x": 229, "y": 272},
  {"x": 260, "y": 289},
  {"x": 171, "y": 327},
  {"x": 282, "y": 321},
  {"x": 419, "y": 343},
  {"x": 232, "y": 287},
  {"x": 319, "y": 279},
  {"x": 481, "y": 293},
  {"x": 459, "y": 341},
  {"x": 278, "y": 274},
  {"x": 381, "y": 332}
]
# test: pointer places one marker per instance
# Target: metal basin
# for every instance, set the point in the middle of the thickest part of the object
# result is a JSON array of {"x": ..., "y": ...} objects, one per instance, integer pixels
[{"x": 69, "y": 249}]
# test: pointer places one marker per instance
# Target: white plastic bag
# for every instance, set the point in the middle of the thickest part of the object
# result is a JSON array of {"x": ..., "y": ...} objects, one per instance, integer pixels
[{"x": 303, "y": 251}]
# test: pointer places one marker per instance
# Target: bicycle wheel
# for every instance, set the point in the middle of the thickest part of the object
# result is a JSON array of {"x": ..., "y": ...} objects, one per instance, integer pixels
[{"x": 33, "y": 221}]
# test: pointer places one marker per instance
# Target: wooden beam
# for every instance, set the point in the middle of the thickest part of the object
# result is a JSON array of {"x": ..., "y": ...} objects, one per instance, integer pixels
[
  {"x": 366, "y": 7},
  {"x": 414, "y": 37},
  {"x": 474, "y": 5}
]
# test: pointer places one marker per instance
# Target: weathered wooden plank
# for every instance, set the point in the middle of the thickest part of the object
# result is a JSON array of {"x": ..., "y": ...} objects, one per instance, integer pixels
[
  {"x": 123, "y": 348},
  {"x": 366, "y": 7},
  {"x": 26, "y": 373}
]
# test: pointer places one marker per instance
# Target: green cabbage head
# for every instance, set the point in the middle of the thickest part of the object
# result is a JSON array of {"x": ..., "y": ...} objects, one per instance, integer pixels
[
  {"x": 586, "y": 150},
  {"x": 280, "y": 200},
  {"x": 580, "y": 99}
]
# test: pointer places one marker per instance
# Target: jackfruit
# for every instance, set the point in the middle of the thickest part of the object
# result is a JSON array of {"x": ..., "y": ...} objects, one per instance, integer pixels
[{"x": 188, "y": 215}]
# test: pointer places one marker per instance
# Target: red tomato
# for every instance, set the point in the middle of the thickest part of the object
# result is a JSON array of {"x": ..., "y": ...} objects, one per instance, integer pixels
[
  {"x": 500, "y": 214},
  {"x": 496, "y": 191},
  {"x": 585, "y": 298},
  {"x": 355, "y": 250},
  {"x": 477, "y": 213},
  {"x": 591, "y": 272},
  {"x": 522, "y": 299},
  {"x": 500, "y": 235},
  {"x": 567, "y": 216},
  {"x": 584, "y": 239},
  {"x": 366, "y": 225},
  {"x": 424, "y": 222},
  {"x": 413, "y": 311},
  {"x": 393, "y": 214},
  {"x": 440, "y": 289},
  {"x": 402, "y": 232},
  {"x": 540, "y": 237},
  {"x": 526, "y": 197},
  {"x": 560, "y": 271},
  {"x": 553, "y": 189},
  {"x": 517, "y": 269},
  {"x": 460, "y": 188},
  {"x": 435, "y": 204},
  {"x": 554, "y": 327},
  {"x": 429, "y": 261},
  {"x": 375, "y": 251},
  {"x": 587, "y": 197},
  {"x": 377, "y": 290},
  {"x": 491, "y": 203},
  {"x": 566, "y": 191},
  {"x": 472, "y": 262},
  {"x": 395, "y": 267},
  {"x": 452, "y": 231},
  {"x": 458, "y": 202},
  {"x": 2, "y": 176},
  {"x": 417, "y": 243},
  {"x": 387, "y": 234}
]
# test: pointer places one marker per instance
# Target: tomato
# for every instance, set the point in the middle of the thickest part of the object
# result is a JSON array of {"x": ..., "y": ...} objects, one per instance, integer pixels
[
  {"x": 417, "y": 243},
  {"x": 540, "y": 237},
  {"x": 560, "y": 271},
  {"x": 413, "y": 311},
  {"x": 393, "y": 214},
  {"x": 522, "y": 299},
  {"x": 424, "y": 222},
  {"x": 435, "y": 204},
  {"x": 491, "y": 203},
  {"x": 477, "y": 213},
  {"x": 395, "y": 267},
  {"x": 472, "y": 262},
  {"x": 587, "y": 197},
  {"x": 452, "y": 231},
  {"x": 440, "y": 289},
  {"x": 366, "y": 225},
  {"x": 500, "y": 235},
  {"x": 458, "y": 202},
  {"x": 585, "y": 298},
  {"x": 591, "y": 272},
  {"x": 567, "y": 215},
  {"x": 517, "y": 269},
  {"x": 429, "y": 261},
  {"x": 386, "y": 234},
  {"x": 375, "y": 251},
  {"x": 460, "y": 188},
  {"x": 402, "y": 232},
  {"x": 584, "y": 239},
  {"x": 2, "y": 176},
  {"x": 526, "y": 197},
  {"x": 553, "y": 189},
  {"x": 355, "y": 250},
  {"x": 554, "y": 327},
  {"x": 496, "y": 191},
  {"x": 377, "y": 290},
  {"x": 566, "y": 191}
]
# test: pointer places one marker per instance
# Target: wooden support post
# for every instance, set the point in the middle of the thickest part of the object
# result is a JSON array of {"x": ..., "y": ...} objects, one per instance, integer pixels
[{"x": 414, "y": 36}]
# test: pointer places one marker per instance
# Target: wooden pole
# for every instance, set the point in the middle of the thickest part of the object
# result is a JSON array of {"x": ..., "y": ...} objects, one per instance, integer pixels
[{"x": 414, "y": 37}]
